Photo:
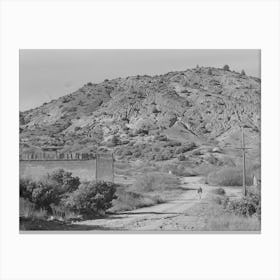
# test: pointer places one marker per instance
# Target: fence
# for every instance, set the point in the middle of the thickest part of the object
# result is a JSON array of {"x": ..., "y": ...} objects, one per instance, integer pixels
[
  {"x": 56, "y": 156},
  {"x": 87, "y": 166}
]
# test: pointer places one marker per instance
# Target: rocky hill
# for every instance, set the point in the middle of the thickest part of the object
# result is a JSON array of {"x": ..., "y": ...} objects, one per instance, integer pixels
[{"x": 157, "y": 118}]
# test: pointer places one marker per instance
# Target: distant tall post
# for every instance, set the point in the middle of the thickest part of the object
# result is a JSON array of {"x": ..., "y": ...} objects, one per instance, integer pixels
[
  {"x": 244, "y": 162},
  {"x": 113, "y": 171},
  {"x": 243, "y": 148},
  {"x": 96, "y": 159}
]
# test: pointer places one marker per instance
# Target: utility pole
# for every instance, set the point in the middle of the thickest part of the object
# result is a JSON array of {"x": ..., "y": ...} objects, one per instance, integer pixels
[
  {"x": 96, "y": 166},
  {"x": 113, "y": 171},
  {"x": 243, "y": 148}
]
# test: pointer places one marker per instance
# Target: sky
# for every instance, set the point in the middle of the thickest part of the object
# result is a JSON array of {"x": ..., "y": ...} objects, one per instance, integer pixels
[{"x": 48, "y": 74}]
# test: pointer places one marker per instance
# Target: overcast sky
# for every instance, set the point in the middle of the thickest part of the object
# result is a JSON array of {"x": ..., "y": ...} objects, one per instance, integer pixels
[{"x": 49, "y": 74}]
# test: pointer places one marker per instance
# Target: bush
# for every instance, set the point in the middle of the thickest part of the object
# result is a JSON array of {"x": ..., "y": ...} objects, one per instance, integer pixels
[
  {"x": 115, "y": 140},
  {"x": 27, "y": 210},
  {"x": 248, "y": 206},
  {"x": 179, "y": 170},
  {"x": 172, "y": 143},
  {"x": 228, "y": 177},
  {"x": 226, "y": 67},
  {"x": 243, "y": 73},
  {"x": 49, "y": 190},
  {"x": 91, "y": 198},
  {"x": 64, "y": 181},
  {"x": 128, "y": 200},
  {"x": 155, "y": 181},
  {"x": 164, "y": 155},
  {"x": 161, "y": 137},
  {"x": 185, "y": 148},
  {"x": 181, "y": 157},
  {"x": 219, "y": 191}
]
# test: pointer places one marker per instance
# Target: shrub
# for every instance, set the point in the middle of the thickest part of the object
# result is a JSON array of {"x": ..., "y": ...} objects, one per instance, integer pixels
[
  {"x": 115, "y": 140},
  {"x": 209, "y": 72},
  {"x": 137, "y": 154},
  {"x": 226, "y": 67},
  {"x": 181, "y": 157},
  {"x": 228, "y": 177},
  {"x": 219, "y": 191},
  {"x": 49, "y": 190},
  {"x": 161, "y": 137},
  {"x": 128, "y": 200},
  {"x": 91, "y": 198},
  {"x": 185, "y": 148},
  {"x": 172, "y": 143},
  {"x": 165, "y": 154},
  {"x": 155, "y": 181},
  {"x": 248, "y": 206},
  {"x": 243, "y": 73}
]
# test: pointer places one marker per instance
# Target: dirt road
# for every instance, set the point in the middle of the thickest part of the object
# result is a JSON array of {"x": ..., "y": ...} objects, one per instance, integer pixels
[{"x": 170, "y": 216}]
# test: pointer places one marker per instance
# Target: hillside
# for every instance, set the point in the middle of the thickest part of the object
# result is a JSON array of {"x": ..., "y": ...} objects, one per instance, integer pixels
[{"x": 190, "y": 115}]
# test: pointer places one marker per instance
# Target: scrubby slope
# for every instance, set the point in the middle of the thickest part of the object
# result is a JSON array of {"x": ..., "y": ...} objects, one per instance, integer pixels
[{"x": 134, "y": 115}]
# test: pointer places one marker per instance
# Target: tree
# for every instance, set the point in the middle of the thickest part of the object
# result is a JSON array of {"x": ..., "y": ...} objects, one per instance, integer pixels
[
  {"x": 115, "y": 140},
  {"x": 209, "y": 72},
  {"x": 243, "y": 73},
  {"x": 226, "y": 67}
]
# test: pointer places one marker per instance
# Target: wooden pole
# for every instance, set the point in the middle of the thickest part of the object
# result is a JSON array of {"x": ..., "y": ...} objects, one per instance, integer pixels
[
  {"x": 96, "y": 159},
  {"x": 113, "y": 167},
  {"x": 244, "y": 162}
]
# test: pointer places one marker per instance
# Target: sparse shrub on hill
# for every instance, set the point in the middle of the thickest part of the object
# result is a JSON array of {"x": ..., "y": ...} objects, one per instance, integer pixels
[
  {"x": 209, "y": 72},
  {"x": 243, "y": 73},
  {"x": 172, "y": 143},
  {"x": 185, "y": 148},
  {"x": 161, "y": 137},
  {"x": 181, "y": 157},
  {"x": 226, "y": 67},
  {"x": 115, "y": 141}
]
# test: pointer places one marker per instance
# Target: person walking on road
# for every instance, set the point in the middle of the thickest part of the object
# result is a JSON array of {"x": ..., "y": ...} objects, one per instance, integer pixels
[{"x": 199, "y": 192}]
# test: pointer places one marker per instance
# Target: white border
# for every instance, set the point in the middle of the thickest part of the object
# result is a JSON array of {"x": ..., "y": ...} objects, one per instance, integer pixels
[{"x": 155, "y": 24}]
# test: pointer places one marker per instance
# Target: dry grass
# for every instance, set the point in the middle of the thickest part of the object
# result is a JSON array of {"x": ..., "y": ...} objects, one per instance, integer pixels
[
  {"x": 216, "y": 218},
  {"x": 27, "y": 210},
  {"x": 227, "y": 222},
  {"x": 149, "y": 189},
  {"x": 228, "y": 176},
  {"x": 128, "y": 200},
  {"x": 155, "y": 181}
]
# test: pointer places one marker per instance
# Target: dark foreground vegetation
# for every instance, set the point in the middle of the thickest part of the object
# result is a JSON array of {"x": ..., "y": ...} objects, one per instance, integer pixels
[
  {"x": 58, "y": 199},
  {"x": 62, "y": 197}
]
